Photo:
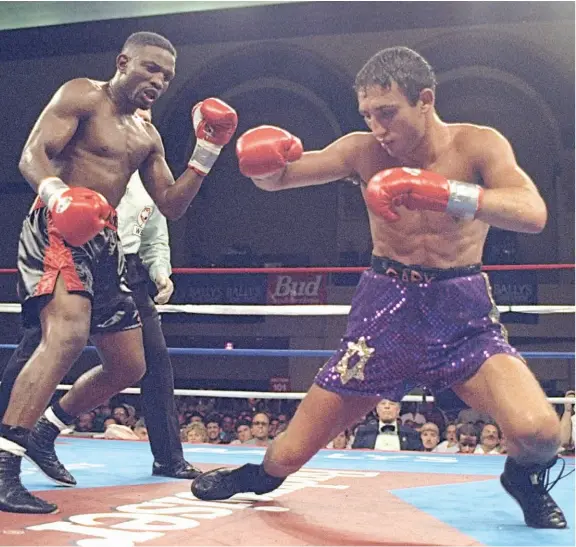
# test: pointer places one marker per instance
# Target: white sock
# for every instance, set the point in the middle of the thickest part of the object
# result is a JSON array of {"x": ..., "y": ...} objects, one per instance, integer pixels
[
  {"x": 53, "y": 419},
  {"x": 12, "y": 447}
]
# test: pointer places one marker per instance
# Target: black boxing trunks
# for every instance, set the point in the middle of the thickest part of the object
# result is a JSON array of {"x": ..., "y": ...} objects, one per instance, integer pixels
[{"x": 96, "y": 270}]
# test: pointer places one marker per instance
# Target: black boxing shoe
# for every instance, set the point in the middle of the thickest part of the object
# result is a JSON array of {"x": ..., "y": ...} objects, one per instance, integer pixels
[
  {"x": 41, "y": 452},
  {"x": 223, "y": 483},
  {"x": 530, "y": 487},
  {"x": 180, "y": 470},
  {"x": 14, "y": 498}
]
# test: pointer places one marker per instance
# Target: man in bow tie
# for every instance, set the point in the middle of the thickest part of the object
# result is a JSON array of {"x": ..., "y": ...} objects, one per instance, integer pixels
[{"x": 387, "y": 433}]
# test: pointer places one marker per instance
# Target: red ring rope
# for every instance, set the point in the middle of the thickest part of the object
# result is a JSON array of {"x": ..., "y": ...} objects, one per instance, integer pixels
[{"x": 337, "y": 269}]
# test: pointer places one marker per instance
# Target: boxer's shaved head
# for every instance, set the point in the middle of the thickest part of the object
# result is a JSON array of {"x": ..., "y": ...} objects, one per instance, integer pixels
[{"x": 139, "y": 39}]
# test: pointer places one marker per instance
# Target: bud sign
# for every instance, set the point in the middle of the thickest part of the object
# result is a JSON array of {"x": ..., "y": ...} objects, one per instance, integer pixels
[{"x": 296, "y": 289}]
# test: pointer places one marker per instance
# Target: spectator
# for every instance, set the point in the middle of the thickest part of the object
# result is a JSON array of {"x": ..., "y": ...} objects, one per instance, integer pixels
[
  {"x": 110, "y": 421},
  {"x": 213, "y": 429},
  {"x": 451, "y": 442},
  {"x": 120, "y": 432},
  {"x": 131, "y": 422},
  {"x": 341, "y": 441},
  {"x": 503, "y": 445},
  {"x": 102, "y": 413},
  {"x": 489, "y": 440},
  {"x": 430, "y": 436},
  {"x": 120, "y": 413},
  {"x": 260, "y": 430},
  {"x": 471, "y": 416},
  {"x": 243, "y": 432},
  {"x": 254, "y": 405},
  {"x": 273, "y": 427},
  {"x": 283, "y": 420},
  {"x": 387, "y": 433},
  {"x": 205, "y": 405},
  {"x": 412, "y": 417},
  {"x": 194, "y": 433},
  {"x": 227, "y": 434},
  {"x": 84, "y": 423},
  {"x": 467, "y": 436},
  {"x": 141, "y": 430},
  {"x": 195, "y": 417}
]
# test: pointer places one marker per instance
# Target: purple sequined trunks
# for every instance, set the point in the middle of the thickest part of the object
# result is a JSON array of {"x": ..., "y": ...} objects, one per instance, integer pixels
[{"x": 411, "y": 326}]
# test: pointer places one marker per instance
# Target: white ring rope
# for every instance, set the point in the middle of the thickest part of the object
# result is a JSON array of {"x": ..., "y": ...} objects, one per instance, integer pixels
[
  {"x": 292, "y": 310},
  {"x": 285, "y": 395},
  {"x": 298, "y": 310}
]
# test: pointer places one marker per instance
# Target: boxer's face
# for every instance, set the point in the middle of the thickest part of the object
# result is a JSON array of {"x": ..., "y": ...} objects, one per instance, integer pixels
[
  {"x": 396, "y": 124},
  {"x": 146, "y": 74}
]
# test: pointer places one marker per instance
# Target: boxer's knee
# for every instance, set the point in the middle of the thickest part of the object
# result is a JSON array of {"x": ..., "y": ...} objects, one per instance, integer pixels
[
  {"x": 135, "y": 371},
  {"x": 65, "y": 326},
  {"x": 535, "y": 436},
  {"x": 130, "y": 372},
  {"x": 65, "y": 338},
  {"x": 286, "y": 455}
]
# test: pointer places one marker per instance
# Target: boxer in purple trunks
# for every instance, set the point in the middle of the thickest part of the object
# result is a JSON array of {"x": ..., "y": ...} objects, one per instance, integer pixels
[
  {"x": 423, "y": 314},
  {"x": 410, "y": 341}
]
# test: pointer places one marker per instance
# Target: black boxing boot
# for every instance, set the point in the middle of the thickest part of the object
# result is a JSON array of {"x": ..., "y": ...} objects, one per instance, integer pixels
[
  {"x": 14, "y": 498},
  {"x": 179, "y": 470},
  {"x": 222, "y": 483},
  {"x": 42, "y": 452},
  {"x": 530, "y": 487}
]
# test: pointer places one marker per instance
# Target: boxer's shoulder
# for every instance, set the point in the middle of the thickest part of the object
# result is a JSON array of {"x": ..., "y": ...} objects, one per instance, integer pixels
[
  {"x": 470, "y": 137},
  {"x": 85, "y": 94}
]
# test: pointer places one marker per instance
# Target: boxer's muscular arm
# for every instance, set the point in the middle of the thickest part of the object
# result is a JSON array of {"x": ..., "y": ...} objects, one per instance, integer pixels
[
  {"x": 55, "y": 128},
  {"x": 332, "y": 163},
  {"x": 511, "y": 200},
  {"x": 173, "y": 197}
]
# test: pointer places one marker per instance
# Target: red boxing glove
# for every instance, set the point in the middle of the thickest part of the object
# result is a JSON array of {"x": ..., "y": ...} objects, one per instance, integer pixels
[
  {"x": 214, "y": 124},
  {"x": 265, "y": 150},
  {"x": 417, "y": 189},
  {"x": 79, "y": 214}
]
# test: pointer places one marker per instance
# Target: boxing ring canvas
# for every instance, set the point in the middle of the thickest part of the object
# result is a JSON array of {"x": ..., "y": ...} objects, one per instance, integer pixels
[{"x": 342, "y": 497}]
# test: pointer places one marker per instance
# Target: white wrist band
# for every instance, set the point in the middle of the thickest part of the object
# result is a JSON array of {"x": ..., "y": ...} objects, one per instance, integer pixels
[
  {"x": 204, "y": 156},
  {"x": 464, "y": 199},
  {"x": 51, "y": 189}
]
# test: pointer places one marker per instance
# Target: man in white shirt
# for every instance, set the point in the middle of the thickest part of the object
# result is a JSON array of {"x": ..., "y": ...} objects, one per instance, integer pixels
[
  {"x": 143, "y": 232},
  {"x": 387, "y": 433},
  {"x": 489, "y": 440},
  {"x": 451, "y": 442}
]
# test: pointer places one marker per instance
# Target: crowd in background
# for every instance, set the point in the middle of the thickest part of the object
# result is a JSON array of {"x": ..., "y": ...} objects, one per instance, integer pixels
[{"x": 390, "y": 426}]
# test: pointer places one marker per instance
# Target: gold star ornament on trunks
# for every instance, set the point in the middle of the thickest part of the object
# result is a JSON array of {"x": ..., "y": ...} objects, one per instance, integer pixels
[{"x": 363, "y": 352}]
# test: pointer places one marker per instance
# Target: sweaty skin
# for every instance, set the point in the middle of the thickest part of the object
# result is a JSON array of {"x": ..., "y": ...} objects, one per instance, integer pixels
[
  {"x": 89, "y": 135},
  {"x": 462, "y": 152}
]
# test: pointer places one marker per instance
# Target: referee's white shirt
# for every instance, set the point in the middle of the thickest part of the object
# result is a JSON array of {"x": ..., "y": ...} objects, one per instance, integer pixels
[{"x": 143, "y": 229}]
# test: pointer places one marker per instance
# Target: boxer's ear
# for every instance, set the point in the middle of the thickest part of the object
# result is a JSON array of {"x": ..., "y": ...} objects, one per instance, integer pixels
[
  {"x": 426, "y": 100},
  {"x": 122, "y": 61}
]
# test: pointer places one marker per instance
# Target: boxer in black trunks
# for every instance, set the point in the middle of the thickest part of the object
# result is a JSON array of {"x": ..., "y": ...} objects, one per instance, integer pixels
[{"x": 79, "y": 157}]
